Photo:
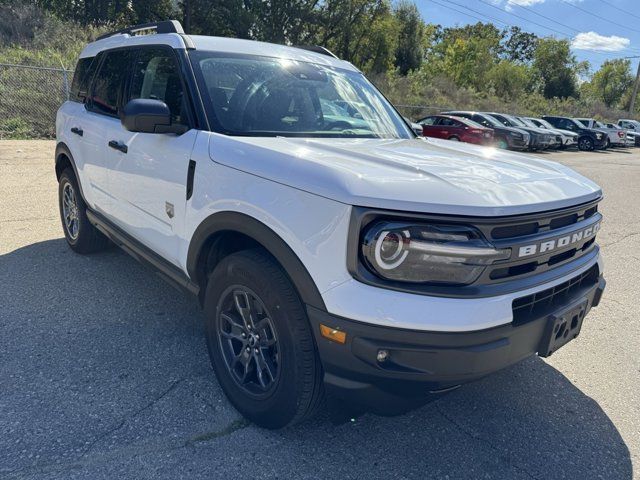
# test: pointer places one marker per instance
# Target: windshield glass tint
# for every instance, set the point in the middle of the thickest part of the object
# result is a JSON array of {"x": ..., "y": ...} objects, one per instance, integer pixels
[
  {"x": 494, "y": 121},
  {"x": 264, "y": 96},
  {"x": 527, "y": 122},
  {"x": 516, "y": 122}
]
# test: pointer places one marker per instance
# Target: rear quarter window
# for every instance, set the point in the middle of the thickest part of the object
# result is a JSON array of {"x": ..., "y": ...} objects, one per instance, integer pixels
[{"x": 81, "y": 78}]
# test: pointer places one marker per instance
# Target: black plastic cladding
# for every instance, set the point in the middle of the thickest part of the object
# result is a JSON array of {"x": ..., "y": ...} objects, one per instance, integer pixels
[{"x": 514, "y": 274}]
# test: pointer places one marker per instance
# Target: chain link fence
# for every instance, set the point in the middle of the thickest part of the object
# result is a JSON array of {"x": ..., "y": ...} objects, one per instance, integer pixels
[{"x": 29, "y": 99}]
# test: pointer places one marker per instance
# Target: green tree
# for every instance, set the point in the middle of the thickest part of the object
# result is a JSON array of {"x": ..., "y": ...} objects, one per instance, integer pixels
[
  {"x": 509, "y": 80},
  {"x": 468, "y": 53},
  {"x": 410, "y": 49},
  {"x": 557, "y": 67},
  {"x": 611, "y": 81},
  {"x": 519, "y": 46}
]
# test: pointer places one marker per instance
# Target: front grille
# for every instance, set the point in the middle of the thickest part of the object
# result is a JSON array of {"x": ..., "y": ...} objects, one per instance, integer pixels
[
  {"x": 536, "y": 230},
  {"x": 543, "y": 224},
  {"x": 537, "y": 304}
]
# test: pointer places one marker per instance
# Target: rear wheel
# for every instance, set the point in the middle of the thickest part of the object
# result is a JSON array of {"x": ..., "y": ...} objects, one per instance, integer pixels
[
  {"x": 585, "y": 144},
  {"x": 260, "y": 341},
  {"x": 454, "y": 138},
  {"x": 80, "y": 234}
]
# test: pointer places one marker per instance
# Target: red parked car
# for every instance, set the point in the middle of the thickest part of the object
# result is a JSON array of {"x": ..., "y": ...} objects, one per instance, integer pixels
[{"x": 457, "y": 129}]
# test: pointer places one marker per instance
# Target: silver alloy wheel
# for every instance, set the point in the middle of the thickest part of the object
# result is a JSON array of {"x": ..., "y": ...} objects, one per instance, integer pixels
[
  {"x": 70, "y": 211},
  {"x": 248, "y": 341}
]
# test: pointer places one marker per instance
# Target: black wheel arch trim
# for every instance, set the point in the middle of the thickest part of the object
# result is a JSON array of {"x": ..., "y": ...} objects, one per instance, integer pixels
[
  {"x": 228, "y": 221},
  {"x": 62, "y": 150}
]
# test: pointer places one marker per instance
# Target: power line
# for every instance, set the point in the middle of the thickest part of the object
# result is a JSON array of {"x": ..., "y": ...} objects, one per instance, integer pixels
[
  {"x": 630, "y": 49},
  {"x": 486, "y": 16},
  {"x": 599, "y": 17},
  {"x": 565, "y": 34},
  {"x": 446, "y": 5},
  {"x": 618, "y": 8}
]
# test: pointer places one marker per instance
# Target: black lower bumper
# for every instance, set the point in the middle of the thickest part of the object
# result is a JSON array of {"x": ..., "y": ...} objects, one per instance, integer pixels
[{"x": 419, "y": 363}]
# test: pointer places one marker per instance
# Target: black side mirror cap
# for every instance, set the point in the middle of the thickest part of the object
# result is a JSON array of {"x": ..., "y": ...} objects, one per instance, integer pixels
[{"x": 149, "y": 116}]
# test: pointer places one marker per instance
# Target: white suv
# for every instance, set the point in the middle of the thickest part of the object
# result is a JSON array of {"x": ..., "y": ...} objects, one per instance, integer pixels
[{"x": 331, "y": 249}]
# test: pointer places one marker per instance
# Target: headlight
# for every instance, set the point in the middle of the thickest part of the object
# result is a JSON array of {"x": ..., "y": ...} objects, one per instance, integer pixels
[
  {"x": 515, "y": 134},
  {"x": 599, "y": 136},
  {"x": 427, "y": 253}
]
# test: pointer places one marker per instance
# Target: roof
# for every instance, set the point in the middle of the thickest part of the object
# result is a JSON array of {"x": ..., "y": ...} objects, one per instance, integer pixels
[{"x": 215, "y": 44}]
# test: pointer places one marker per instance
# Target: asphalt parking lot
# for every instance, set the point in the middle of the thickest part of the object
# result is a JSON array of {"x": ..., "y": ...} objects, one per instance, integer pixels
[{"x": 104, "y": 371}]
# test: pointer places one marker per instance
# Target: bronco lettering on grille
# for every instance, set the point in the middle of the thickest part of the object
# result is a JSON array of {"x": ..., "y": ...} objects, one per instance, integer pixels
[{"x": 550, "y": 245}]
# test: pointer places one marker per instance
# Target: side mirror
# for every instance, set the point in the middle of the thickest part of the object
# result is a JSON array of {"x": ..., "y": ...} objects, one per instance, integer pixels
[{"x": 149, "y": 116}]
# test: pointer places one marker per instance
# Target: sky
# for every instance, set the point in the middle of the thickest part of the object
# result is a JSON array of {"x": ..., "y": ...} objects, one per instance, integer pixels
[{"x": 598, "y": 29}]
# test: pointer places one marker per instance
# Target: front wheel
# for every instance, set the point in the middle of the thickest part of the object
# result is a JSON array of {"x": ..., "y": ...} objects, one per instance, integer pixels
[
  {"x": 585, "y": 144},
  {"x": 260, "y": 341},
  {"x": 453, "y": 138},
  {"x": 502, "y": 143}
]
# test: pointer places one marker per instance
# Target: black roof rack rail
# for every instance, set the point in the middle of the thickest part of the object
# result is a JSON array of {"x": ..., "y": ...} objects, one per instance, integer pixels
[
  {"x": 317, "y": 49},
  {"x": 166, "y": 26}
]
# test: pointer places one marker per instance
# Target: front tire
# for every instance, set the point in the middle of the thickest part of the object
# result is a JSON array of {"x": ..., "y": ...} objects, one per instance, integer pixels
[
  {"x": 260, "y": 341},
  {"x": 80, "y": 234},
  {"x": 585, "y": 144}
]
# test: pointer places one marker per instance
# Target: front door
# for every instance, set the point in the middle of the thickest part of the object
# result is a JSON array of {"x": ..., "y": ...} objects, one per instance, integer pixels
[{"x": 149, "y": 171}]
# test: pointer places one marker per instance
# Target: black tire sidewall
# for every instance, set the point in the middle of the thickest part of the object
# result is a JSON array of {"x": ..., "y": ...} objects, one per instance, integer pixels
[
  {"x": 285, "y": 309},
  {"x": 68, "y": 178}
]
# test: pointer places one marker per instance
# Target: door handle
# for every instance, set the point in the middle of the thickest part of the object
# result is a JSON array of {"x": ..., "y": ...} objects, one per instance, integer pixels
[
  {"x": 77, "y": 131},
  {"x": 115, "y": 144}
]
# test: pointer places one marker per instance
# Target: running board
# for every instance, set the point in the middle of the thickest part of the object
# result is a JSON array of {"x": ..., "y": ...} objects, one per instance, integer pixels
[{"x": 143, "y": 254}]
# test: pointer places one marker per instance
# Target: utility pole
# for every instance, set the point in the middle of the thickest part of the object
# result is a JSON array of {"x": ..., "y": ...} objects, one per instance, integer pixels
[
  {"x": 636, "y": 84},
  {"x": 632, "y": 104}
]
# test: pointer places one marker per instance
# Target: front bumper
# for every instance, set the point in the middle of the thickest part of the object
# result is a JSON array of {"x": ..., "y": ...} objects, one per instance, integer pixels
[{"x": 420, "y": 363}]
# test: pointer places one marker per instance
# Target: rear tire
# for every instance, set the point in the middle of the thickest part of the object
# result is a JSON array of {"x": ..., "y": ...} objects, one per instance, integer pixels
[
  {"x": 453, "y": 138},
  {"x": 80, "y": 234},
  {"x": 502, "y": 143},
  {"x": 260, "y": 341}
]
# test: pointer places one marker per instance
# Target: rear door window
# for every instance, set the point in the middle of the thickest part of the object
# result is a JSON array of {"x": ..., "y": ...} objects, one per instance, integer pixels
[{"x": 106, "y": 92}]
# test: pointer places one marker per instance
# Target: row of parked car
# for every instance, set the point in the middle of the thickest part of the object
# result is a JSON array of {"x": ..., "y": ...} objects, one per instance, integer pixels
[{"x": 530, "y": 133}]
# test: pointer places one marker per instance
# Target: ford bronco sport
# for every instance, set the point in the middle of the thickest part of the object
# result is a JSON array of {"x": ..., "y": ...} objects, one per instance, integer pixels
[{"x": 332, "y": 250}]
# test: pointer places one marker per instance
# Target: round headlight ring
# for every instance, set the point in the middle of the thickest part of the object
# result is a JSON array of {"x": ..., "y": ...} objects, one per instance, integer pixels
[{"x": 389, "y": 249}]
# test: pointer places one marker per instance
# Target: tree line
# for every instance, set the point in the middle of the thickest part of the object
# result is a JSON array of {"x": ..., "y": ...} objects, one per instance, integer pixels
[{"x": 390, "y": 41}]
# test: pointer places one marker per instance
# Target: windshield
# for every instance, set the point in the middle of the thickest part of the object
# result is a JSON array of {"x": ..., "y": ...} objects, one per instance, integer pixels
[
  {"x": 581, "y": 122},
  {"x": 527, "y": 122},
  {"x": 515, "y": 121},
  {"x": 493, "y": 121},
  {"x": 544, "y": 123},
  {"x": 263, "y": 96},
  {"x": 600, "y": 125}
]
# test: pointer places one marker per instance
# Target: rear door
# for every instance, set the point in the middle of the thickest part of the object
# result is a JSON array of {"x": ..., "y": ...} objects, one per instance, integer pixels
[
  {"x": 148, "y": 173},
  {"x": 451, "y": 128}
]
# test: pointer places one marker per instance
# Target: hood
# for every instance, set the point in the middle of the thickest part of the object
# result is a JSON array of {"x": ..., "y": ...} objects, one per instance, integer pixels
[
  {"x": 504, "y": 128},
  {"x": 566, "y": 133},
  {"x": 418, "y": 175}
]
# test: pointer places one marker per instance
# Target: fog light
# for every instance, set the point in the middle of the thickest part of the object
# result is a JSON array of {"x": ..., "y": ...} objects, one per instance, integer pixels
[
  {"x": 382, "y": 356},
  {"x": 332, "y": 334}
]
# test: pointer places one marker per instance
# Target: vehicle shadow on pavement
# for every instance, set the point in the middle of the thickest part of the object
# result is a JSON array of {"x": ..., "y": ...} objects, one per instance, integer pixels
[{"x": 103, "y": 368}]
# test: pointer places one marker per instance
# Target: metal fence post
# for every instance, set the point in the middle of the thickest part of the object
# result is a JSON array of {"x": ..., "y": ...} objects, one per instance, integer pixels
[{"x": 65, "y": 78}]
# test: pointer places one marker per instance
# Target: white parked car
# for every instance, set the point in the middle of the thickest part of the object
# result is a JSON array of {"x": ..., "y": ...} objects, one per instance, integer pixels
[
  {"x": 631, "y": 126},
  {"x": 632, "y": 138},
  {"x": 568, "y": 138},
  {"x": 330, "y": 248}
]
